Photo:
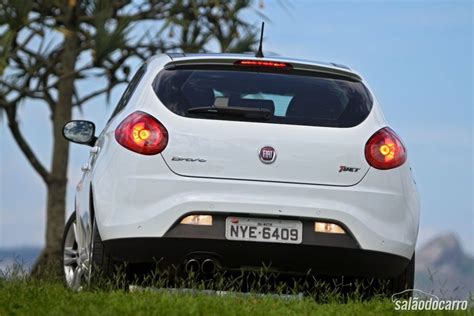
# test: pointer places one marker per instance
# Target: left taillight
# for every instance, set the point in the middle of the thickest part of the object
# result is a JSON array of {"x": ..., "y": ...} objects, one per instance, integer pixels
[{"x": 142, "y": 133}]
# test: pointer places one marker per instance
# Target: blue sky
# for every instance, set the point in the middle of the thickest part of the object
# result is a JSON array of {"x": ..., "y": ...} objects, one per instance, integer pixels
[{"x": 416, "y": 56}]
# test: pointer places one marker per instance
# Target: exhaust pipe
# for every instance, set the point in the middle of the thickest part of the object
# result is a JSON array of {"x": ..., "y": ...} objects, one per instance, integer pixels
[
  {"x": 192, "y": 265},
  {"x": 208, "y": 266}
]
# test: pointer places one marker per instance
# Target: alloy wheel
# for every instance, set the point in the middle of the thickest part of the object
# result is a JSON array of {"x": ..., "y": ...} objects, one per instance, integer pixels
[{"x": 76, "y": 263}]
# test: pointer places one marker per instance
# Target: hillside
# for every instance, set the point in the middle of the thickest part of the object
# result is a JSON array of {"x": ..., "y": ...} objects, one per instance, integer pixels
[{"x": 444, "y": 269}]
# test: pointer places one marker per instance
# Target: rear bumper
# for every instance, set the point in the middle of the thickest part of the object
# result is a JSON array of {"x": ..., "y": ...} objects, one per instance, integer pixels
[
  {"x": 382, "y": 211},
  {"x": 233, "y": 255},
  {"x": 319, "y": 253}
]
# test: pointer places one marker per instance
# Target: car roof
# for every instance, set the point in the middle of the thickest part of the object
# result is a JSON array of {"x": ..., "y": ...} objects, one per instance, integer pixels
[{"x": 224, "y": 58}]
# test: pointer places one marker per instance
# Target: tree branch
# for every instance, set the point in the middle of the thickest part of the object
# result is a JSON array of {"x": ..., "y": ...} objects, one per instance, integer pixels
[
  {"x": 80, "y": 102},
  {"x": 25, "y": 148}
]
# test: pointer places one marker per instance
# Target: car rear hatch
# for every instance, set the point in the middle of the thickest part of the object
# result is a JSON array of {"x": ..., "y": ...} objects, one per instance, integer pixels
[{"x": 278, "y": 122}]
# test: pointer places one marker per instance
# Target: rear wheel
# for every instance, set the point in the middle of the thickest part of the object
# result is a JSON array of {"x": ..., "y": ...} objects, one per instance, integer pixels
[
  {"x": 102, "y": 263},
  {"x": 373, "y": 287},
  {"x": 90, "y": 264},
  {"x": 406, "y": 280},
  {"x": 76, "y": 269}
]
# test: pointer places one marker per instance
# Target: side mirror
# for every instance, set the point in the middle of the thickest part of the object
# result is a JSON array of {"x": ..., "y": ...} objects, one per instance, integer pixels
[{"x": 81, "y": 132}]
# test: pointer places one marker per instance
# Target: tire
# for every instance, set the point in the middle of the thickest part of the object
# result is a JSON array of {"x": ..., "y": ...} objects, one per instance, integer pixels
[
  {"x": 405, "y": 281},
  {"x": 103, "y": 266}
]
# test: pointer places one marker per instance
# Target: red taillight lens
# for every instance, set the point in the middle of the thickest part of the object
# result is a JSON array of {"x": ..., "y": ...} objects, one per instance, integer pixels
[
  {"x": 385, "y": 150},
  {"x": 142, "y": 133},
  {"x": 262, "y": 63}
]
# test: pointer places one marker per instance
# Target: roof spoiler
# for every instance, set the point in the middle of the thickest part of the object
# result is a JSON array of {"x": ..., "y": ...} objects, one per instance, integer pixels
[{"x": 296, "y": 65}]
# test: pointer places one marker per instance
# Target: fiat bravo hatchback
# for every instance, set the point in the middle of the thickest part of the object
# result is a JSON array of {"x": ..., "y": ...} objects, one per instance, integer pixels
[{"x": 234, "y": 162}]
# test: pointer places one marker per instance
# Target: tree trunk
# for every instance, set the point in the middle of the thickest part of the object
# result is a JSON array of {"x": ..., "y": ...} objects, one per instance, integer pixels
[{"x": 50, "y": 261}]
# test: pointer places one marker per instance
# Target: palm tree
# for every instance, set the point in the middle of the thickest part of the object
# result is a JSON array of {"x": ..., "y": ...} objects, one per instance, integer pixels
[{"x": 47, "y": 47}]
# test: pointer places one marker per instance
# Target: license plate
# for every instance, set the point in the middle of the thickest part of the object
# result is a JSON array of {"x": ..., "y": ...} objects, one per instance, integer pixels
[{"x": 263, "y": 230}]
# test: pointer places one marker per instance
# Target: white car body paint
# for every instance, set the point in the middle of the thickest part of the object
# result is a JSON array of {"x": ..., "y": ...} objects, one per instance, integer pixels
[{"x": 143, "y": 196}]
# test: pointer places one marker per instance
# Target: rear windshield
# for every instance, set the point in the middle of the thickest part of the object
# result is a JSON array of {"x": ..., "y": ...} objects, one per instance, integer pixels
[{"x": 292, "y": 97}]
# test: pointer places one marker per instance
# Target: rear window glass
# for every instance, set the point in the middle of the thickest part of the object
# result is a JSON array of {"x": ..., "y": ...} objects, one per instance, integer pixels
[{"x": 292, "y": 97}]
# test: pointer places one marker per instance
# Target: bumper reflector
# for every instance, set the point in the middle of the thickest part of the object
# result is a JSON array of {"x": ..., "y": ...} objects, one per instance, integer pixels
[
  {"x": 330, "y": 228},
  {"x": 197, "y": 220}
]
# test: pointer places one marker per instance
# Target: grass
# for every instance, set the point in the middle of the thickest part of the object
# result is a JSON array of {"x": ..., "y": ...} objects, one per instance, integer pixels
[
  {"x": 23, "y": 295},
  {"x": 49, "y": 298},
  {"x": 44, "y": 298}
]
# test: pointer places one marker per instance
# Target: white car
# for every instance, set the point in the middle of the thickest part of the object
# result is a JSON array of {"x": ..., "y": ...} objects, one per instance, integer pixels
[{"x": 222, "y": 161}]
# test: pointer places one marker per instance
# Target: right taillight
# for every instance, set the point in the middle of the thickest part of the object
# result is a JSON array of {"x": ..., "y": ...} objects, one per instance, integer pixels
[
  {"x": 385, "y": 150},
  {"x": 142, "y": 133}
]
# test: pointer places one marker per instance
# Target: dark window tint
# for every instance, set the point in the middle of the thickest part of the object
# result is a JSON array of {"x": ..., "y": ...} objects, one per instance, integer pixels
[
  {"x": 295, "y": 97},
  {"x": 129, "y": 90}
]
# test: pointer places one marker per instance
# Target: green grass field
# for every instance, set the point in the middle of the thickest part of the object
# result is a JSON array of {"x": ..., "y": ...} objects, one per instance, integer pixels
[{"x": 35, "y": 297}]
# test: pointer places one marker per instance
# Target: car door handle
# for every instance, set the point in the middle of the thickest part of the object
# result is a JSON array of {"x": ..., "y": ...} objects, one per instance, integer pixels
[
  {"x": 95, "y": 150},
  {"x": 86, "y": 167}
]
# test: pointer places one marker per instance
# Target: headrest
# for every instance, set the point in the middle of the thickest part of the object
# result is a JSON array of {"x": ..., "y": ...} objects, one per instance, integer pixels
[
  {"x": 198, "y": 96},
  {"x": 319, "y": 106}
]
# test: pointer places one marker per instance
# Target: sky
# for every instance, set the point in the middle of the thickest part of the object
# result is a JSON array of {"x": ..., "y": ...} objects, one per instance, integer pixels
[{"x": 417, "y": 58}]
